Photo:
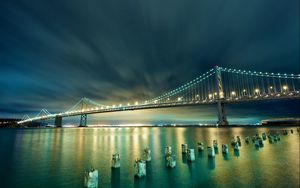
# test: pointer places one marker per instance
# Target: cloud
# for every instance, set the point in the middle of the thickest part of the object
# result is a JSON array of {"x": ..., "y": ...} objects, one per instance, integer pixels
[{"x": 52, "y": 53}]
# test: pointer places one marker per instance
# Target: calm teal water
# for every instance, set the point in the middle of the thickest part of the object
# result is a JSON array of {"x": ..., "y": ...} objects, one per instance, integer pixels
[{"x": 58, "y": 158}]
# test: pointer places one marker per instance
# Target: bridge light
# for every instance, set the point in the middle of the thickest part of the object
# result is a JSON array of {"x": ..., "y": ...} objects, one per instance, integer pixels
[
  {"x": 285, "y": 88},
  {"x": 233, "y": 93},
  {"x": 114, "y": 106},
  {"x": 97, "y": 108},
  {"x": 136, "y": 103},
  {"x": 155, "y": 101},
  {"x": 128, "y": 104},
  {"x": 221, "y": 94},
  {"x": 179, "y": 99}
]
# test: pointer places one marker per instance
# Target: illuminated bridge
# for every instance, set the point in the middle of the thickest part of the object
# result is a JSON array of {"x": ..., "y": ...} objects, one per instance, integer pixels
[{"x": 217, "y": 86}]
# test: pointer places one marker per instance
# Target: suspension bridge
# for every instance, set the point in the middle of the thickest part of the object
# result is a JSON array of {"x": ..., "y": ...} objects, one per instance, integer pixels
[{"x": 217, "y": 86}]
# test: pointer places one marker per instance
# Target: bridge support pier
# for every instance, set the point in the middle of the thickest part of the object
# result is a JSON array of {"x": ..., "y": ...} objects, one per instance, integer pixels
[
  {"x": 222, "y": 120},
  {"x": 220, "y": 94},
  {"x": 58, "y": 121},
  {"x": 83, "y": 120}
]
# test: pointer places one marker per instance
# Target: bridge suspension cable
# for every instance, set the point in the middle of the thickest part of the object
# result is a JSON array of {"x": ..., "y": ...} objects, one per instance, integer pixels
[
  {"x": 25, "y": 117},
  {"x": 218, "y": 85},
  {"x": 43, "y": 112},
  {"x": 84, "y": 104},
  {"x": 188, "y": 91},
  {"x": 236, "y": 84}
]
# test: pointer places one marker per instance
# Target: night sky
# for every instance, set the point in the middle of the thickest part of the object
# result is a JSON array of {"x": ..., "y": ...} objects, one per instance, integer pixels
[{"x": 52, "y": 53}]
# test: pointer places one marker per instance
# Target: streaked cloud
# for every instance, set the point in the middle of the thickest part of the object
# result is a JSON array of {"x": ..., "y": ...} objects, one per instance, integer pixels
[{"x": 52, "y": 53}]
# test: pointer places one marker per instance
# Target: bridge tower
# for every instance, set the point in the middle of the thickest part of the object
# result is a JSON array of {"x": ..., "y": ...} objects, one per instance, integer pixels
[
  {"x": 58, "y": 121},
  {"x": 222, "y": 120},
  {"x": 84, "y": 105},
  {"x": 83, "y": 120}
]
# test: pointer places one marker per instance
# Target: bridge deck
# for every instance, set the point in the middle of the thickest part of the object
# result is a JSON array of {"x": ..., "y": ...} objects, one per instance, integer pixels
[{"x": 275, "y": 96}]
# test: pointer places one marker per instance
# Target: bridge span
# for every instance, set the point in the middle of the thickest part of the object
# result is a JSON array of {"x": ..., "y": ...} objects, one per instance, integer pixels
[{"x": 217, "y": 86}]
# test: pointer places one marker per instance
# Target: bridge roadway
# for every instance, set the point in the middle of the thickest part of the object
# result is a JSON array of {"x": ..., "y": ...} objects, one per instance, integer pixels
[{"x": 274, "y": 96}]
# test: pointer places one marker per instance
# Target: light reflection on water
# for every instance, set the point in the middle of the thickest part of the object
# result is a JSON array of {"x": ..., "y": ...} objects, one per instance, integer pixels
[{"x": 58, "y": 158}]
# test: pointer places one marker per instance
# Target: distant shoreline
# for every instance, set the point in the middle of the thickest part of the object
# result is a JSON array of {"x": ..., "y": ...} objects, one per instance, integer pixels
[
  {"x": 165, "y": 126},
  {"x": 275, "y": 122}
]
